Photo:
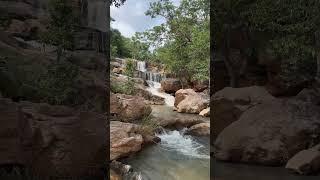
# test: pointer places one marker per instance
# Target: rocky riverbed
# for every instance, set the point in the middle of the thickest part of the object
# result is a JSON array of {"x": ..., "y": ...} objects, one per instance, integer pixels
[{"x": 174, "y": 138}]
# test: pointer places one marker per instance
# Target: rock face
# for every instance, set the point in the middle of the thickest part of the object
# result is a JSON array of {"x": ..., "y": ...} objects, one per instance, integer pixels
[
  {"x": 205, "y": 112},
  {"x": 128, "y": 108},
  {"x": 117, "y": 70},
  {"x": 170, "y": 85},
  {"x": 123, "y": 139},
  {"x": 270, "y": 133},
  {"x": 47, "y": 138},
  {"x": 306, "y": 161},
  {"x": 188, "y": 101},
  {"x": 229, "y": 103},
  {"x": 201, "y": 129}
]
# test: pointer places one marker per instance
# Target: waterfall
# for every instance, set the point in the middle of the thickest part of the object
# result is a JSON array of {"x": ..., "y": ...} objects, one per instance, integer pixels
[{"x": 141, "y": 67}]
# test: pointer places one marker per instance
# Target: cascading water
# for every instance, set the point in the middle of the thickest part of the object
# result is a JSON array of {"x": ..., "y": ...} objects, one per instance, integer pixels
[
  {"x": 174, "y": 158},
  {"x": 183, "y": 144},
  {"x": 154, "y": 88},
  {"x": 141, "y": 67},
  {"x": 153, "y": 79}
]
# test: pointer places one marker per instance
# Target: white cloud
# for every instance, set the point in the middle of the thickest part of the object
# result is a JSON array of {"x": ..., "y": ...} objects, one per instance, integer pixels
[
  {"x": 131, "y": 18},
  {"x": 126, "y": 29}
]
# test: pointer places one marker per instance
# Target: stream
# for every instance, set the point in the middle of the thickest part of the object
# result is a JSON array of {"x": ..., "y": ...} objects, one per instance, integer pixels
[{"x": 177, "y": 156}]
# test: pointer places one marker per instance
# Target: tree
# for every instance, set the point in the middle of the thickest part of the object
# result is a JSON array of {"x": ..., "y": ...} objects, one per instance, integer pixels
[
  {"x": 62, "y": 26},
  {"x": 182, "y": 42}
]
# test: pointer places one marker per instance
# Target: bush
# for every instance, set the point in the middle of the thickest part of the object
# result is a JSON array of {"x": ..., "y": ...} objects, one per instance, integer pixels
[{"x": 147, "y": 125}]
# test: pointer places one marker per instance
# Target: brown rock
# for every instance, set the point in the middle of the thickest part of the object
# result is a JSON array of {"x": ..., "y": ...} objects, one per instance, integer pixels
[
  {"x": 188, "y": 101},
  {"x": 118, "y": 70},
  {"x": 128, "y": 108},
  {"x": 170, "y": 85},
  {"x": 181, "y": 94},
  {"x": 205, "y": 112},
  {"x": 201, "y": 129},
  {"x": 124, "y": 141},
  {"x": 305, "y": 162}
]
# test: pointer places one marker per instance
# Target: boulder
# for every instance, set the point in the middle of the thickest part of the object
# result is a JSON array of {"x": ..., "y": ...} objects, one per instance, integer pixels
[
  {"x": 205, "y": 112},
  {"x": 181, "y": 94},
  {"x": 270, "y": 133},
  {"x": 123, "y": 139},
  {"x": 229, "y": 103},
  {"x": 173, "y": 119},
  {"x": 188, "y": 101},
  {"x": 128, "y": 108},
  {"x": 47, "y": 138},
  {"x": 170, "y": 85},
  {"x": 201, "y": 129},
  {"x": 305, "y": 162}
]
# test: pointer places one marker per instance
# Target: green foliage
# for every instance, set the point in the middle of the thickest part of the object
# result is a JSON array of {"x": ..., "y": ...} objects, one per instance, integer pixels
[
  {"x": 123, "y": 88},
  {"x": 119, "y": 45},
  {"x": 130, "y": 68},
  {"x": 127, "y": 87},
  {"x": 182, "y": 43},
  {"x": 147, "y": 125},
  {"x": 62, "y": 26},
  {"x": 129, "y": 47}
]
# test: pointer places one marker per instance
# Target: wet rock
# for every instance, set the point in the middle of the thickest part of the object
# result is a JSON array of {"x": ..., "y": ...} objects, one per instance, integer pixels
[
  {"x": 270, "y": 133},
  {"x": 170, "y": 85},
  {"x": 128, "y": 108},
  {"x": 205, "y": 112},
  {"x": 305, "y": 162},
  {"x": 229, "y": 103},
  {"x": 201, "y": 129}
]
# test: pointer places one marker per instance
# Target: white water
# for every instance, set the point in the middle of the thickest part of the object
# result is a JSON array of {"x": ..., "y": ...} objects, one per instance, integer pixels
[
  {"x": 154, "y": 88},
  {"x": 182, "y": 144},
  {"x": 141, "y": 66}
]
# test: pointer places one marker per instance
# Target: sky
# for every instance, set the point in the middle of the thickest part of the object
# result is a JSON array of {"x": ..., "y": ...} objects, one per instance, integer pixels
[{"x": 131, "y": 18}]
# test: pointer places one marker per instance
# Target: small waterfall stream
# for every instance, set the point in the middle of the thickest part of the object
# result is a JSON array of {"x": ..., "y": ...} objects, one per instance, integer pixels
[{"x": 144, "y": 73}]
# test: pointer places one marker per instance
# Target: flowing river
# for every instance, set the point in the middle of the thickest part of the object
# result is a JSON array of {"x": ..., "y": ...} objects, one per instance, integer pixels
[{"x": 177, "y": 156}]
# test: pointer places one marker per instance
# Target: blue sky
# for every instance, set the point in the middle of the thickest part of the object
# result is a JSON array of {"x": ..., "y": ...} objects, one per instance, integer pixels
[{"x": 131, "y": 18}]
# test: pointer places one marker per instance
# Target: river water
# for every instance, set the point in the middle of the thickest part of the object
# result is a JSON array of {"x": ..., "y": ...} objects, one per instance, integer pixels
[{"x": 177, "y": 156}]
